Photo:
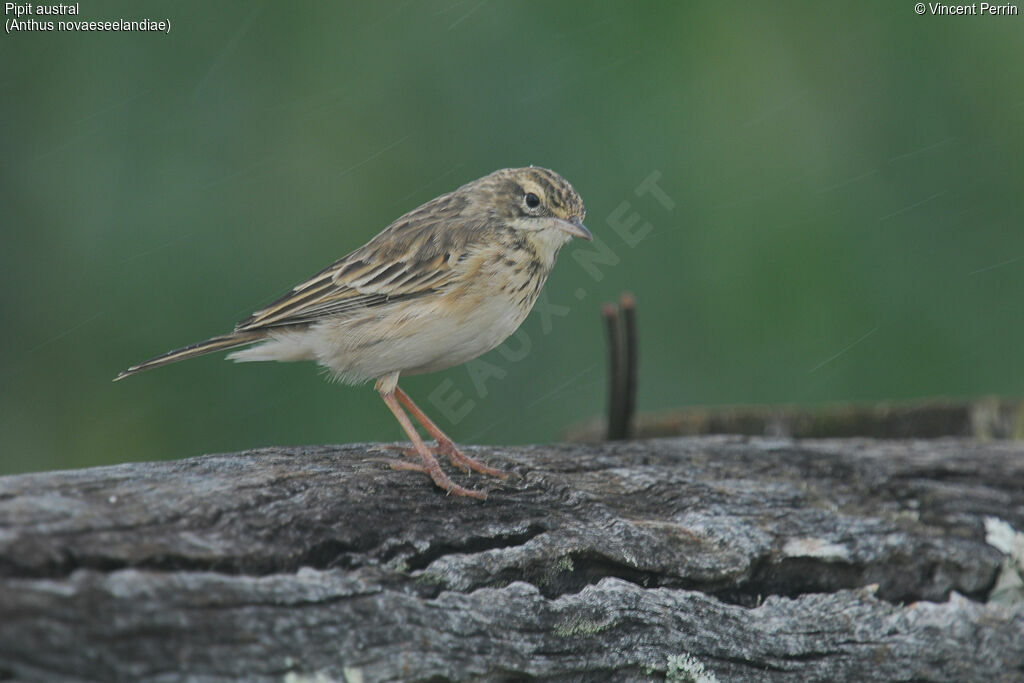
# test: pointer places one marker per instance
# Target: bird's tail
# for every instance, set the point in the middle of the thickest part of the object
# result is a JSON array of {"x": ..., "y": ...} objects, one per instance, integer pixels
[{"x": 227, "y": 341}]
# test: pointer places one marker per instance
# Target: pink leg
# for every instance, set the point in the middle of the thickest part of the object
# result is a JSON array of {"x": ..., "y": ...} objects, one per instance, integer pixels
[
  {"x": 430, "y": 464},
  {"x": 444, "y": 444}
]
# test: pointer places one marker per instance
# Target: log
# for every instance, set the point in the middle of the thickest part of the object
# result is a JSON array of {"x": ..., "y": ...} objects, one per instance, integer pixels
[{"x": 685, "y": 559}]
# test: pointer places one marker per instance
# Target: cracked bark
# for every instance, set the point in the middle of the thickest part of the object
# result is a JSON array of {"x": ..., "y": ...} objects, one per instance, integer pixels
[{"x": 763, "y": 559}]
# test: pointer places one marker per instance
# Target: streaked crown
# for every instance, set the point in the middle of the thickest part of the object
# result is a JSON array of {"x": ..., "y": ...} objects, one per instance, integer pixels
[{"x": 526, "y": 192}]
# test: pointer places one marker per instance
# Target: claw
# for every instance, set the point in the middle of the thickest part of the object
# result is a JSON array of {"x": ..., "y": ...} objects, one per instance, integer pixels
[{"x": 466, "y": 463}]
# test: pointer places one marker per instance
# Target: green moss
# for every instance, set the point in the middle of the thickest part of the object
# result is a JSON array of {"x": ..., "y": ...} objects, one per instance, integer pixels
[
  {"x": 686, "y": 668},
  {"x": 399, "y": 565},
  {"x": 430, "y": 579},
  {"x": 564, "y": 564},
  {"x": 579, "y": 626}
]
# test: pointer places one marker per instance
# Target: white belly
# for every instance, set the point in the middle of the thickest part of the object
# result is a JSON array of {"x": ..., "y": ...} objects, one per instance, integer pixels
[
  {"x": 408, "y": 337},
  {"x": 439, "y": 342}
]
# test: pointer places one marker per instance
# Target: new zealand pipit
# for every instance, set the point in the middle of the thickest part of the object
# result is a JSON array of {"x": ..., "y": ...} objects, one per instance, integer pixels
[{"x": 441, "y": 285}]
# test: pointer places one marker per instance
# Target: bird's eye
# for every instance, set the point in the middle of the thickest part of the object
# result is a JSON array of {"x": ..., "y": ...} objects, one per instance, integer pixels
[{"x": 532, "y": 200}]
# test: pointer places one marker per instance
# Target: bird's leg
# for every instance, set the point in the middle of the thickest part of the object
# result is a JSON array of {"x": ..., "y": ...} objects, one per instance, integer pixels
[
  {"x": 430, "y": 464},
  {"x": 444, "y": 444}
]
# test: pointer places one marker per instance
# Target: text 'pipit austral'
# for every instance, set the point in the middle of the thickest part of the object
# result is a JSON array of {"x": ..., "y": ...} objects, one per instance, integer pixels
[{"x": 441, "y": 285}]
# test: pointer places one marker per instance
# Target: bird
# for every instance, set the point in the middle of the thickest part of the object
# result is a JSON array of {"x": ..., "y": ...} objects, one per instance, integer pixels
[{"x": 441, "y": 285}]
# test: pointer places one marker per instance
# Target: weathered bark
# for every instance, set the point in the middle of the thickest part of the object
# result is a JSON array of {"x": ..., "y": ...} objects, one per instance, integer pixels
[{"x": 761, "y": 559}]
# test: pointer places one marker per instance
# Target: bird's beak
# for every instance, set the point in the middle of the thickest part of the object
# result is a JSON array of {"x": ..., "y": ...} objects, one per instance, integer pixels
[{"x": 574, "y": 226}]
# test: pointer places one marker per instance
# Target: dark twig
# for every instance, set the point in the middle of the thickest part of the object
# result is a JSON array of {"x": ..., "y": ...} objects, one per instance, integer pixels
[
  {"x": 621, "y": 327},
  {"x": 628, "y": 304}
]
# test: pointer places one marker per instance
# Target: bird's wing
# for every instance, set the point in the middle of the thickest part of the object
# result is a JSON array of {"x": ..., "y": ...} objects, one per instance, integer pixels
[{"x": 407, "y": 259}]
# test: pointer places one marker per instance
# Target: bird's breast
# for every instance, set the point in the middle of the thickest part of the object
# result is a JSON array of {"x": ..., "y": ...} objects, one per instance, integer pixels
[{"x": 477, "y": 311}]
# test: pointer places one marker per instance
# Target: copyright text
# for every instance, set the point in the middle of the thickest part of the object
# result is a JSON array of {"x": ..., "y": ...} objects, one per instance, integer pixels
[{"x": 973, "y": 9}]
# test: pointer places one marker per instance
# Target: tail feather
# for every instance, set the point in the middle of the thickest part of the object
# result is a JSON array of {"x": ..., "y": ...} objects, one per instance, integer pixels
[{"x": 227, "y": 341}]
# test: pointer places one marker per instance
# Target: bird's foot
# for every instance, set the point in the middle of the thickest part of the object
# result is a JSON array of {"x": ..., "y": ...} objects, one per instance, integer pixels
[
  {"x": 466, "y": 463},
  {"x": 433, "y": 469},
  {"x": 457, "y": 458}
]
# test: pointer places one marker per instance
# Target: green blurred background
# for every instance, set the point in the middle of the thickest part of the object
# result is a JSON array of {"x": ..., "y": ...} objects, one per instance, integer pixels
[{"x": 847, "y": 182}]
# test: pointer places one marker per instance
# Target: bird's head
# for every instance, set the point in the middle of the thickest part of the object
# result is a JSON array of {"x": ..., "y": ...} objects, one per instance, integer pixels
[{"x": 535, "y": 200}]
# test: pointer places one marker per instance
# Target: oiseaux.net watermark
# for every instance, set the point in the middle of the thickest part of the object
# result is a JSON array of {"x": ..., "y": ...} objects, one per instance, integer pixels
[{"x": 629, "y": 226}]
